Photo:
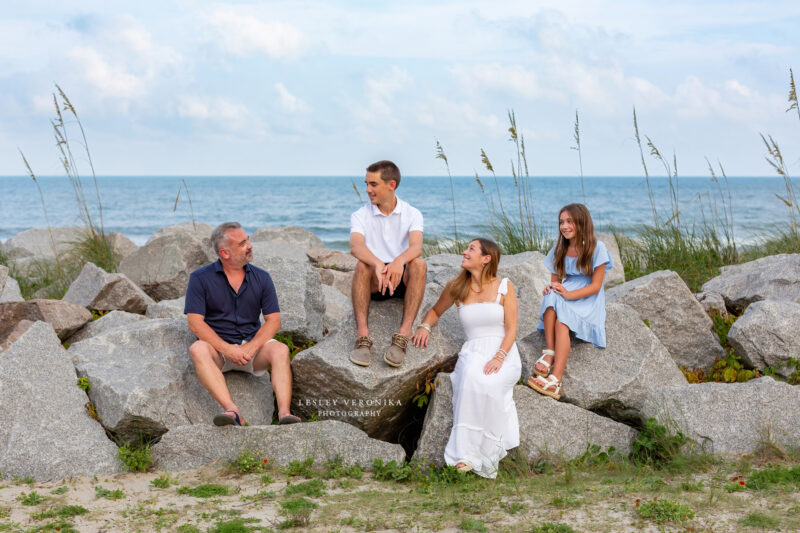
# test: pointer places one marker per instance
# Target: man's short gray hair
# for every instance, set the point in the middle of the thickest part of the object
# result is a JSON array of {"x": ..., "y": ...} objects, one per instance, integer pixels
[{"x": 218, "y": 235}]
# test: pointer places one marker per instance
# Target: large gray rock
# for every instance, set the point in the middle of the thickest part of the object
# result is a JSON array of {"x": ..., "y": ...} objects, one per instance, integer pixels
[
  {"x": 37, "y": 242},
  {"x": 107, "y": 322},
  {"x": 9, "y": 288},
  {"x": 612, "y": 381},
  {"x": 712, "y": 302},
  {"x": 377, "y": 398},
  {"x": 332, "y": 259},
  {"x": 291, "y": 234},
  {"x": 143, "y": 381},
  {"x": 337, "y": 306},
  {"x": 198, "y": 230},
  {"x": 97, "y": 289},
  {"x": 776, "y": 277},
  {"x": 10, "y": 336},
  {"x": 45, "y": 430},
  {"x": 674, "y": 315},
  {"x": 299, "y": 296},
  {"x": 167, "y": 308},
  {"x": 162, "y": 266},
  {"x": 341, "y": 281},
  {"x": 3, "y": 277},
  {"x": 189, "y": 447},
  {"x": 729, "y": 417},
  {"x": 546, "y": 427},
  {"x": 66, "y": 318},
  {"x": 616, "y": 275},
  {"x": 121, "y": 246},
  {"x": 767, "y": 335},
  {"x": 281, "y": 249}
]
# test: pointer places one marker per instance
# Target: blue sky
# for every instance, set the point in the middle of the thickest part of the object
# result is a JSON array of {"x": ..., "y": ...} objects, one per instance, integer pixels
[{"x": 325, "y": 88}]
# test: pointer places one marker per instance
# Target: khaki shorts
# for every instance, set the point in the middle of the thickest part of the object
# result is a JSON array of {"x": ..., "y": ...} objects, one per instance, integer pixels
[{"x": 228, "y": 366}]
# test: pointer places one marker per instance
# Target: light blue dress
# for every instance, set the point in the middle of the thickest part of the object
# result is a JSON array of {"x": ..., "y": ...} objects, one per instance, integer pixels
[{"x": 586, "y": 317}]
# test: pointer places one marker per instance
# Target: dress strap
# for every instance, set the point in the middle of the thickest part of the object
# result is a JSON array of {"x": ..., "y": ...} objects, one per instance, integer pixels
[{"x": 502, "y": 290}]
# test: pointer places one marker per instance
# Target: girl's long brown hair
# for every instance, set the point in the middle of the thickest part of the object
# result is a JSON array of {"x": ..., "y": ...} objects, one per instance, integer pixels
[
  {"x": 585, "y": 241},
  {"x": 458, "y": 287}
]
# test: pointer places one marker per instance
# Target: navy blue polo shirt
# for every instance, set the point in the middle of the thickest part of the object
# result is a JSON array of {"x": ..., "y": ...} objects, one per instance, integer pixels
[{"x": 233, "y": 316}]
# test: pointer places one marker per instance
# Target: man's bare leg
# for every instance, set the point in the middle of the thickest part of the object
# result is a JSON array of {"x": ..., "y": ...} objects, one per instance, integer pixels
[
  {"x": 276, "y": 355},
  {"x": 208, "y": 366},
  {"x": 415, "y": 277},
  {"x": 364, "y": 285}
]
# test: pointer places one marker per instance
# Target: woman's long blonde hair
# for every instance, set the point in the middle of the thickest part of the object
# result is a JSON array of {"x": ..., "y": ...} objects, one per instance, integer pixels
[
  {"x": 585, "y": 241},
  {"x": 458, "y": 287}
]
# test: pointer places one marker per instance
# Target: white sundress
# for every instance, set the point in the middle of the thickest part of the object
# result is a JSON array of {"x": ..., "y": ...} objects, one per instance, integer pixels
[{"x": 485, "y": 422}]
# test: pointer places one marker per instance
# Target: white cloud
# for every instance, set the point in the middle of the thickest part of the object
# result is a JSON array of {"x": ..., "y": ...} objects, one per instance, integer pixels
[
  {"x": 220, "y": 111},
  {"x": 730, "y": 99},
  {"x": 289, "y": 102},
  {"x": 457, "y": 117},
  {"x": 123, "y": 61},
  {"x": 245, "y": 34},
  {"x": 515, "y": 79},
  {"x": 108, "y": 77},
  {"x": 379, "y": 102}
]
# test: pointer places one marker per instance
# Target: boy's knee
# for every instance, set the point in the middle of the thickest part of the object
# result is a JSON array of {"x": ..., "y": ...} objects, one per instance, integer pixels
[
  {"x": 418, "y": 266},
  {"x": 362, "y": 269}
]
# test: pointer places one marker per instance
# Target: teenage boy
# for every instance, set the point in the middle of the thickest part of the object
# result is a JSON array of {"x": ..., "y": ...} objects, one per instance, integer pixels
[{"x": 386, "y": 238}]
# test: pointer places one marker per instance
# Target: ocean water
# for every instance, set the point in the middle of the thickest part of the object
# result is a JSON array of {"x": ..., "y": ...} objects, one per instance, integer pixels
[{"x": 138, "y": 206}]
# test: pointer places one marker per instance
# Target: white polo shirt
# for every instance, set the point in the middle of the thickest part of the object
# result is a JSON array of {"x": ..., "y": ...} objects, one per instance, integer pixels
[{"x": 386, "y": 236}]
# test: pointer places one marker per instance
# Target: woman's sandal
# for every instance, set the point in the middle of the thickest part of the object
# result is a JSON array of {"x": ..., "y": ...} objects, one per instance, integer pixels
[
  {"x": 463, "y": 467},
  {"x": 544, "y": 363},
  {"x": 551, "y": 387}
]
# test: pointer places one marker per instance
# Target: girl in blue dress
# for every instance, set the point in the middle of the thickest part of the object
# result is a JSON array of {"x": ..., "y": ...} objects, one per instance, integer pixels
[{"x": 574, "y": 300}]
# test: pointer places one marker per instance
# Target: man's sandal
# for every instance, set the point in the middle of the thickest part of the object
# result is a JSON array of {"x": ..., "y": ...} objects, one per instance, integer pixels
[
  {"x": 544, "y": 363},
  {"x": 549, "y": 386},
  {"x": 225, "y": 419}
]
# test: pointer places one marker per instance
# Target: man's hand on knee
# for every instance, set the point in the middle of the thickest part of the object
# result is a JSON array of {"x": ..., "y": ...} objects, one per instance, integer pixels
[{"x": 237, "y": 355}]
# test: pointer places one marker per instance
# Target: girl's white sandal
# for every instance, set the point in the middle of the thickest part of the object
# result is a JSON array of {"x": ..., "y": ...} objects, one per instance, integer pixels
[
  {"x": 551, "y": 387},
  {"x": 544, "y": 363}
]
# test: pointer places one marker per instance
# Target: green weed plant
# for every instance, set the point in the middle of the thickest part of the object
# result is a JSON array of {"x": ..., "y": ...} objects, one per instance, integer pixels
[
  {"x": 251, "y": 462},
  {"x": 661, "y": 511},
  {"x": 761, "y": 521},
  {"x": 297, "y": 513},
  {"x": 313, "y": 488},
  {"x": 115, "y": 494},
  {"x": 206, "y": 490},
  {"x": 299, "y": 468},
  {"x": 135, "y": 458},
  {"x": 32, "y": 498},
  {"x": 656, "y": 445}
]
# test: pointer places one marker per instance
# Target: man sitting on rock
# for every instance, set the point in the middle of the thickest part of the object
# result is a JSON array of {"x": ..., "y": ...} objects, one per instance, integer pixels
[
  {"x": 386, "y": 238},
  {"x": 223, "y": 303}
]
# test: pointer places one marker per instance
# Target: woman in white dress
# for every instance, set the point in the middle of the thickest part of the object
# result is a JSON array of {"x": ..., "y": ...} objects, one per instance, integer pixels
[{"x": 485, "y": 421}]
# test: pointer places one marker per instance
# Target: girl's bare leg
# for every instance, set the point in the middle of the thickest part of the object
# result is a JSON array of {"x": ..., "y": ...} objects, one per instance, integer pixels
[
  {"x": 562, "y": 349},
  {"x": 549, "y": 320}
]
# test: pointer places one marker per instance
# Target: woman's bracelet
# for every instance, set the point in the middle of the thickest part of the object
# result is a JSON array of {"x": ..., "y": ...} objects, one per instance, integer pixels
[
  {"x": 502, "y": 351},
  {"x": 425, "y": 326}
]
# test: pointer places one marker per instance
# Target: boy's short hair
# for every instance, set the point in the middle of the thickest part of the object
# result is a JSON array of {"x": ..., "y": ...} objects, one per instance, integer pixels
[{"x": 387, "y": 170}]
